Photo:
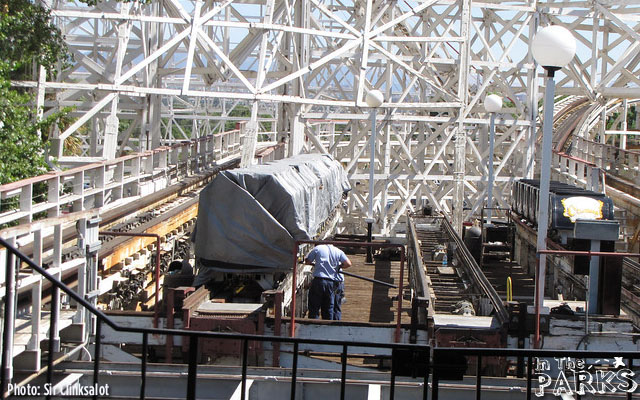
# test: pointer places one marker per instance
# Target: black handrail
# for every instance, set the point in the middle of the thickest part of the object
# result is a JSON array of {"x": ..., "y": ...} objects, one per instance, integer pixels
[
  {"x": 192, "y": 335},
  {"x": 439, "y": 353}
]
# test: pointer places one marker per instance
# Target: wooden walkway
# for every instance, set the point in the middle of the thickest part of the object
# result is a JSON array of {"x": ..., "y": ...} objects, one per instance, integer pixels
[
  {"x": 23, "y": 329},
  {"x": 369, "y": 302}
]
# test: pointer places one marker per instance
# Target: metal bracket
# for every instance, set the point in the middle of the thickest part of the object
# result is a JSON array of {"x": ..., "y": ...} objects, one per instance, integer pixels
[{"x": 92, "y": 294}]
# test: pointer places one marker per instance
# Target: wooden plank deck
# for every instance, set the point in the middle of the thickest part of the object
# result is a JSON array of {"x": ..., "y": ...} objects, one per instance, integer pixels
[{"x": 369, "y": 302}]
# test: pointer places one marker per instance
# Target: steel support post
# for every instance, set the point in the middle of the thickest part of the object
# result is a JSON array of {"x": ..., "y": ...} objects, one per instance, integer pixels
[
  {"x": 543, "y": 202},
  {"x": 372, "y": 161},
  {"x": 492, "y": 129},
  {"x": 594, "y": 278}
]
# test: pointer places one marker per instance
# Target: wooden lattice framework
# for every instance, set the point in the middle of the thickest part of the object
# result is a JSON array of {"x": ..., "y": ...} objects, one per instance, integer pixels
[{"x": 149, "y": 74}]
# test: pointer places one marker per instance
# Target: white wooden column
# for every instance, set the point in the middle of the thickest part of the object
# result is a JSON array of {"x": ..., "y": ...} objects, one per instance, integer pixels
[{"x": 460, "y": 136}]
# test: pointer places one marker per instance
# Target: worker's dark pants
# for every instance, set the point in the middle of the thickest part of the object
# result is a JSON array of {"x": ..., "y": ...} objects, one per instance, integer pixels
[{"x": 325, "y": 297}]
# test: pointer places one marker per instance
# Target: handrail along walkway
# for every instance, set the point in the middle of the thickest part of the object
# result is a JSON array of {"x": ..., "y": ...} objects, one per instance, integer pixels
[
  {"x": 192, "y": 335},
  {"x": 434, "y": 368}
]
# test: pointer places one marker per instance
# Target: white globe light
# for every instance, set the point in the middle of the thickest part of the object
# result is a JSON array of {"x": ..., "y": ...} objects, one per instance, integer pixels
[
  {"x": 553, "y": 46},
  {"x": 374, "y": 98},
  {"x": 493, "y": 103}
]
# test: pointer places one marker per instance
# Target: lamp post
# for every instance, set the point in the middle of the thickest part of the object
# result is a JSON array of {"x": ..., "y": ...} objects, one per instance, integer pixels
[
  {"x": 374, "y": 99},
  {"x": 552, "y": 47},
  {"x": 492, "y": 104}
]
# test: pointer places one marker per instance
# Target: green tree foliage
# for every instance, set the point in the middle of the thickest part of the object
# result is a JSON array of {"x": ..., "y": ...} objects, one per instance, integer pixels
[
  {"x": 238, "y": 111},
  {"x": 631, "y": 119},
  {"x": 27, "y": 35},
  {"x": 21, "y": 147},
  {"x": 27, "y": 39},
  {"x": 244, "y": 111}
]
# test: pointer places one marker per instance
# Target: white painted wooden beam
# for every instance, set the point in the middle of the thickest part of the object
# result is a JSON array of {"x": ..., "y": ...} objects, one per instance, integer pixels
[
  {"x": 374, "y": 392},
  {"x": 237, "y": 394}
]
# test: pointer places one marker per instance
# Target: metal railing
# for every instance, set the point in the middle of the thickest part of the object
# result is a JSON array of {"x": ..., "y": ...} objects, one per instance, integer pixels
[
  {"x": 439, "y": 366},
  {"x": 62, "y": 267},
  {"x": 193, "y": 337}
]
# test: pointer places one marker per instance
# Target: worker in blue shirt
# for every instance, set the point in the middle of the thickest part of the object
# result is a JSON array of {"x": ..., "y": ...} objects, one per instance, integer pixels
[{"x": 327, "y": 287}]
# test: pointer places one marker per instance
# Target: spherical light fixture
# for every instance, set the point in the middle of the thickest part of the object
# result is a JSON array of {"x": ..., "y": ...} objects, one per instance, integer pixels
[
  {"x": 374, "y": 98},
  {"x": 553, "y": 47},
  {"x": 493, "y": 103}
]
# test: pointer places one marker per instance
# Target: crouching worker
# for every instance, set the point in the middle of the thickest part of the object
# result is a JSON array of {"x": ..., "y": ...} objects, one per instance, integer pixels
[{"x": 327, "y": 286}]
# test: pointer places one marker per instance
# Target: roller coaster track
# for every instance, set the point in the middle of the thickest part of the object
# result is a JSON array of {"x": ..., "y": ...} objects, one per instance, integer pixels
[
  {"x": 571, "y": 111},
  {"x": 168, "y": 213},
  {"x": 469, "y": 283},
  {"x": 125, "y": 263}
]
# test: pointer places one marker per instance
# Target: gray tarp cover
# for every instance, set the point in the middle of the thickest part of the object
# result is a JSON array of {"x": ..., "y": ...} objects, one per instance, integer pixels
[{"x": 251, "y": 217}]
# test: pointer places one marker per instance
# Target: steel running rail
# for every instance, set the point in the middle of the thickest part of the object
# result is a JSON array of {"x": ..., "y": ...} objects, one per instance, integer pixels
[
  {"x": 479, "y": 278},
  {"x": 417, "y": 275},
  {"x": 192, "y": 335}
]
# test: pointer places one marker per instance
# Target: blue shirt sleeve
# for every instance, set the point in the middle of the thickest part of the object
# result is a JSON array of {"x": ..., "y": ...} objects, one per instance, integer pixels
[
  {"x": 342, "y": 257},
  {"x": 312, "y": 255}
]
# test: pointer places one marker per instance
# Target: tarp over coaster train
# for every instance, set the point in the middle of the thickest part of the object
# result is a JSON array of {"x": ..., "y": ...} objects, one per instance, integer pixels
[{"x": 249, "y": 218}]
